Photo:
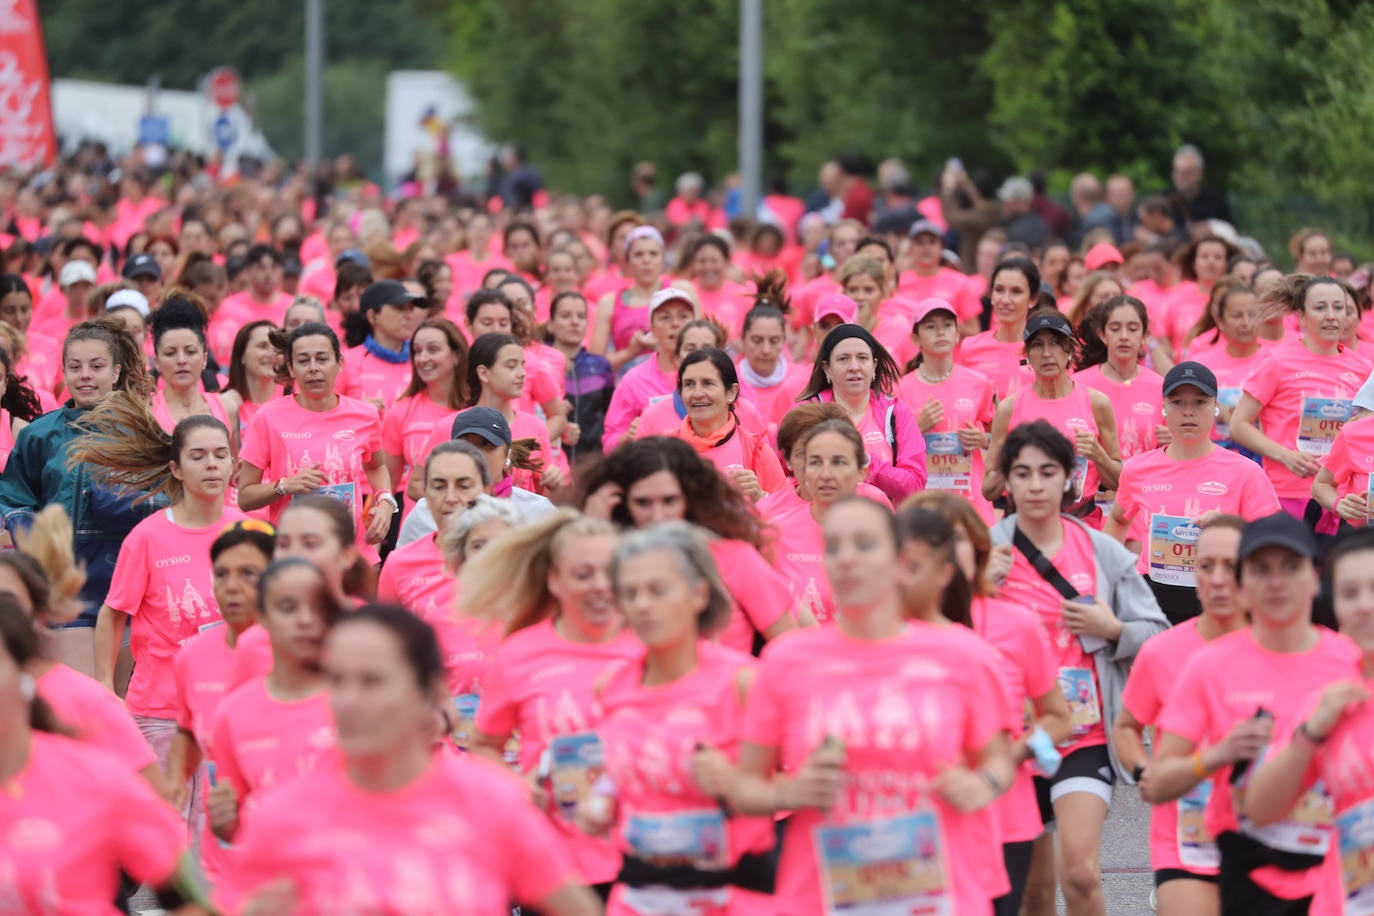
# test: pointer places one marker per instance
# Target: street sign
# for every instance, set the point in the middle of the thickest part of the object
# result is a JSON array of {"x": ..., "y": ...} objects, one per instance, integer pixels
[
  {"x": 224, "y": 86},
  {"x": 154, "y": 130},
  {"x": 225, "y": 132}
]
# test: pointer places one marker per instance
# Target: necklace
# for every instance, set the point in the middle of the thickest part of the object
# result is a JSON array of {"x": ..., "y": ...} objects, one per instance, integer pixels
[
  {"x": 933, "y": 381},
  {"x": 1117, "y": 373}
]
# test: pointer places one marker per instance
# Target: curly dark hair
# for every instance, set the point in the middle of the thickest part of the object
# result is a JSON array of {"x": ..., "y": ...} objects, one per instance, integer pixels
[{"x": 711, "y": 502}]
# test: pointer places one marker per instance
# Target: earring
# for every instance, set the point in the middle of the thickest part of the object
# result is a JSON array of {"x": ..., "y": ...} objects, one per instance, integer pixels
[
  {"x": 28, "y": 688},
  {"x": 1216, "y": 411},
  {"x": 1068, "y": 485}
]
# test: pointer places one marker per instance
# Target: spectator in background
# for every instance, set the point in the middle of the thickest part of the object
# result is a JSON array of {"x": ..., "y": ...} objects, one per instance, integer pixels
[
  {"x": 521, "y": 180},
  {"x": 895, "y": 194},
  {"x": 1192, "y": 202},
  {"x": 1055, "y": 216},
  {"x": 1121, "y": 198},
  {"x": 855, "y": 191},
  {"x": 689, "y": 206},
  {"x": 1090, "y": 211},
  {"x": 1019, "y": 218},
  {"x": 644, "y": 182},
  {"x": 970, "y": 207},
  {"x": 1157, "y": 222},
  {"x": 824, "y": 200}
]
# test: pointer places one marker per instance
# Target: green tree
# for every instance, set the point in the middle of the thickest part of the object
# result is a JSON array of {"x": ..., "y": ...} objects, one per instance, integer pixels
[{"x": 354, "y": 109}]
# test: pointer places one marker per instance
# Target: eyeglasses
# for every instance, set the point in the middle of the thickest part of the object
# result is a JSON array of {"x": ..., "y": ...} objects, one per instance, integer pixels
[{"x": 250, "y": 524}]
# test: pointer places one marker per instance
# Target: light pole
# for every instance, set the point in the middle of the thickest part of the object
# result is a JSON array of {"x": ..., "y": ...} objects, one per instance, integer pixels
[
  {"x": 750, "y": 105},
  {"x": 314, "y": 79}
]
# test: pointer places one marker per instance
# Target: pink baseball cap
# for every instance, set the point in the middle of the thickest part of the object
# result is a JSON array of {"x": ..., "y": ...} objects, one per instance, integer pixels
[
  {"x": 838, "y": 305},
  {"x": 1100, "y": 255},
  {"x": 925, "y": 307}
]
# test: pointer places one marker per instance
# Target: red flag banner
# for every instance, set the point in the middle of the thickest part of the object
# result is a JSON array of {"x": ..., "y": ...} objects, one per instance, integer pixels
[{"x": 27, "y": 139}]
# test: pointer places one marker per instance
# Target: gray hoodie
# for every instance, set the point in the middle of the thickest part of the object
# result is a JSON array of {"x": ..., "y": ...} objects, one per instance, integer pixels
[{"x": 1130, "y": 598}]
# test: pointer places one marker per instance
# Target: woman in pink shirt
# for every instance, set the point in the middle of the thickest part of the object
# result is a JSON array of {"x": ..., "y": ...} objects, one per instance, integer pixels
[
  {"x": 655, "y": 378},
  {"x": 1232, "y": 697},
  {"x": 1226, "y": 340},
  {"x": 41, "y": 362},
  {"x": 708, "y": 266},
  {"x": 710, "y": 389},
  {"x": 1183, "y": 854},
  {"x": 495, "y": 379},
  {"x": 1342, "y": 485},
  {"x": 1202, "y": 263},
  {"x": 547, "y": 586},
  {"x": 76, "y": 816},
  {"x": 1113, "y": 336},
  {"x": 622, "y": 333},
  {"x": 1299, "y": 397},
  {"x": 660, "y": 479},
  {"x": 19, "y": 405},
  {"x": 953, "y": 406},
  {"x": 379, "y": 369},
  {"x": 1097, "y": 288},
  {"x": 180, "y": 358},
  {"x": 437, "y": 391},
  {"x": 317, "y": 441},
  {"x": 664, "y": 417},
  {"x": 544, "y": 364},
  {"x": 885, "y": 753},
  {"x": 1027, "y": 667},
  {"x": 272, "y": 729},
  {"x": 475, "y": 259},
  {"x": 1000, "y": 353},
  {"x": 162, "y": 576},
  {"x": 254, "y": 372},
  {"x": 1081, "y": 414},
  {"x": 854, "y": 370},
  {"x": 202, "y": 672},
  {"x": 1163, "y": 493},
  {"x": 1334, "y": 742},
  {"x": 392, "y": 823},
  {"x": 865, "y": 280},
  {"x": 775, "y": 380},
  {"x": 681, "y": 692}
]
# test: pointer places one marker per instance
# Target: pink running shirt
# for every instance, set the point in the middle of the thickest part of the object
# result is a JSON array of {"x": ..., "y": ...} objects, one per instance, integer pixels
[
  {"x": 95, "y": 715},
  {"x": 1138, "y": 405}
]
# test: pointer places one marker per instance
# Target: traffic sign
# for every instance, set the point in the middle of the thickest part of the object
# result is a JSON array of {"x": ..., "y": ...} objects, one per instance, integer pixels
[
  {"x": 225, "y": 132},
  {"x": 224, "y": 86},
  {"x": 154, "y": 130}
]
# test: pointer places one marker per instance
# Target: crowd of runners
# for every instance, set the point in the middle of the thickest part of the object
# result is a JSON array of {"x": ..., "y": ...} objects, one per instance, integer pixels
[{"x": 427, "y": 552}]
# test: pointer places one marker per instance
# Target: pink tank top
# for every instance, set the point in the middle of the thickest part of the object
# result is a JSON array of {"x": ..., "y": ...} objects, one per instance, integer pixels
[
  {"x": 6, "y": 437},
  {"x": 1068, "y": 415},
  {"x": 163, "y": 414},
  {"x": 628, "y": 320}
]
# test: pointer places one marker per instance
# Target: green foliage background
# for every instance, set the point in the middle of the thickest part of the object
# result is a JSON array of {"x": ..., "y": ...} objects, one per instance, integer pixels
[{"x": 1276, "y": 92}]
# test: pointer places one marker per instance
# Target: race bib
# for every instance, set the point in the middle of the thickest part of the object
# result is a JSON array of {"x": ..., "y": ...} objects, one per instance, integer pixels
[
  {"x": 465, "y": 728},
  {"x": 1321, "y": 419},
  {"x": 884, "y": 867},
  {"x": 1356, "y": 831},
  {"x": 576, "y": 763},
  {"x": 948, "y": 466},
  {"x": 1196, "y": 847},
  {"x": 345, "y": 493},
  {"x": 1080, "y": 689},
  {"x": 694, "y": 837},
  {"x": 1307, "y": 829},
  {"x": 1079, "y": 478},
  {"x": 1228, "y": 398},
  {"x": 1173, "y": 539}
]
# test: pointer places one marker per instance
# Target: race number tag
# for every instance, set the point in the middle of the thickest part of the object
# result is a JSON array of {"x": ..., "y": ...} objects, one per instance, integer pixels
[
  {"x": 1228, "y": 398},
  {"x": 680, "y": 837},
  {"x": 1173, "y": 540},
  {"x": 1356, "y": 831},
  {"x": 1079, "y": 479},
  {"x": 1080, "y": 689},
  {"x": 576, "y": 764},
  {"x": 465, "y": 729},
  {"x": 1307, "y": 829},
  {"x": 345, "y": 493},
  {"x": 1321, "y": 419},
  {"x": 1196, "y": 847},
  {"x": 882, "y": 867},
  {"x": 948, "y": 466}
]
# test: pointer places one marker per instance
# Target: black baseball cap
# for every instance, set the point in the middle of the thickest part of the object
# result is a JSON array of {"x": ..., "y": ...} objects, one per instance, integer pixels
[
  {"x": 486, "y": 422},
  {"x": 1047, "y": 321},
  {"x": 1277, "y": 530},
  {"x": 1190, "y": 373},
  {"x": 142, "y": 265},
  {"x": 387, "y": 292}
]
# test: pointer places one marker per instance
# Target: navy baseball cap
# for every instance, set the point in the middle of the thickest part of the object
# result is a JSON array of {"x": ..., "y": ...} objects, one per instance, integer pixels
[{"x": 485, "y": 422}]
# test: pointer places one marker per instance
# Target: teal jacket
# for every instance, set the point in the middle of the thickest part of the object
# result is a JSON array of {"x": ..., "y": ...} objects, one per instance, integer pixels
[{"x": 37, "y": 476}]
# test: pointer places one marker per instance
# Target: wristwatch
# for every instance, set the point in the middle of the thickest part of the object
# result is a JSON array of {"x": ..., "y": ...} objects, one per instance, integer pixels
[
  {"x": 280, "y": 488},
  {"x": 1137, "y": 771}
]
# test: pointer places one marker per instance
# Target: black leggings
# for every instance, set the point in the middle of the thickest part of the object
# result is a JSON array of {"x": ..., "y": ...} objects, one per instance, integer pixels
[{"x": 1017, "y": 857}]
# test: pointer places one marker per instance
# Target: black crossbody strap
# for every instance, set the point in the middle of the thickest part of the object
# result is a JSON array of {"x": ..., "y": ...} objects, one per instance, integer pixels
[{"x": 1042, "y": 565}]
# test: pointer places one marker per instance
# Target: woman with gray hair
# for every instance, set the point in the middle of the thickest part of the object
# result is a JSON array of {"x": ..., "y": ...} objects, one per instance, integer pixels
[{"x": 680, "y": 692}]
